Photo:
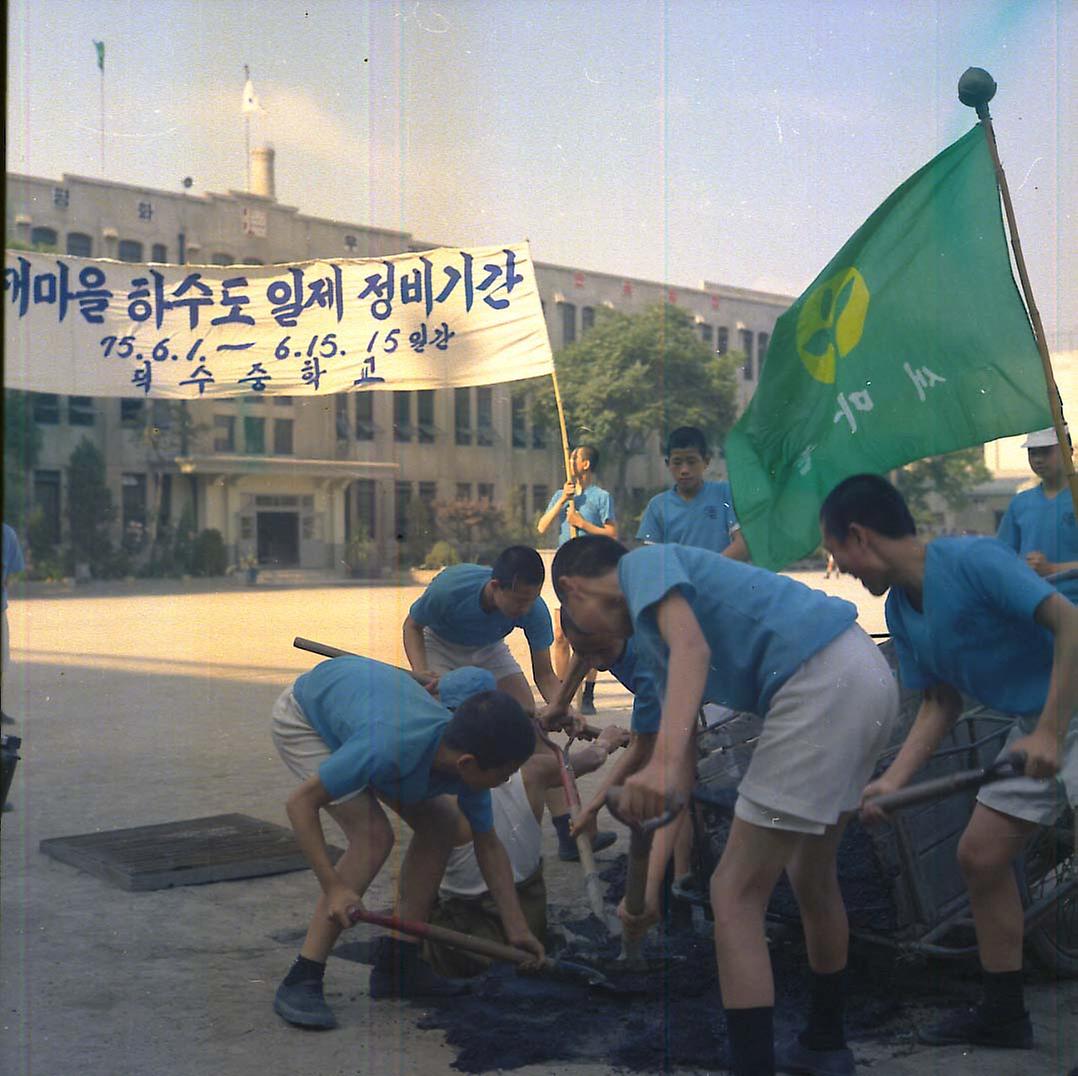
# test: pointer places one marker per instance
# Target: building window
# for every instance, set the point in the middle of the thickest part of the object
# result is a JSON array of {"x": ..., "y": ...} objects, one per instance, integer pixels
[
  {"x": 282, "y": 437},
  {"x": 131, "y": 412},
  {"x": 80, "y": 245},
  {"x": 46, "y": 409},
  {"x": 159, "y": 253},
  {"x": 425, "y": 416},
  {"x": 222, "y": 259},
  {"x": 80, "y": 411},
  {"x": 746, "y": 347},
  {"x": 464, "y": 491},
  {"x": 522, "y": 503},
  {"x": 162, "y": 414},
  {"x": 365, "y": 507},
  {"x": 282, "y": 401},
  {"x": 130, "y": 250},
  {"x": 707, "y": 334},
  {"x": 587, "y": 318},
  {"x": 402, "y": 499},
  {"x": 164, "y": 507},
  {"x": 365, "y": 417},
  {"x": 484, "y": 414},
  {"x": 224, "y": 433},
  {"x": 540, "y": 497},
  {"x": 568, "y": 323},
  {"x": 428, "y": 493},
  {"x": 485, "y": 492},
  {"x": 538, "y": 434},
  {"x": 402, "y": 416},
  {"x": 61, "y": 198},
  {"x": 462, "y": 408},
  {"x": 519, "y": 412},
  {"x": 134, "y": 501},
  {"x": 145, "y": 211},
  {"x": 43, "y": 237},
  {"x": 340, "y": 415},
  {"x": 722, "y": 345},
  {"x": 254, "y": 435},
  {"x": 47, "y": 501},
  {"x": 762, "y": 340}
]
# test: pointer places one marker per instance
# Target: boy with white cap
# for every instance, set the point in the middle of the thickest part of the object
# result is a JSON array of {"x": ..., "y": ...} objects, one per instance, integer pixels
[{"x": 1039, "y": 524}]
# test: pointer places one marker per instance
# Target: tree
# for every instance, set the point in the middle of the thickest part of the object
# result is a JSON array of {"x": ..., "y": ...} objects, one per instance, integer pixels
[
  {"x": 22, "y": 446},
  {"x": 950, "y": 477},
  {"x": 89, "y": 508},
  {"x": 634, "y": 375}
]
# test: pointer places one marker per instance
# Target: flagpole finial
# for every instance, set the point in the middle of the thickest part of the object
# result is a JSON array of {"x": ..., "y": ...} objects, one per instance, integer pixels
[{"x": 976, "y": 88}]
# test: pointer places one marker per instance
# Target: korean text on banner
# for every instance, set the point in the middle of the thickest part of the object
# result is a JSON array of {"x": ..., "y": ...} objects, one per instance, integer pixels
[
  {"x": 412, "y": 321},
  {"x": 912, "y": 342}
]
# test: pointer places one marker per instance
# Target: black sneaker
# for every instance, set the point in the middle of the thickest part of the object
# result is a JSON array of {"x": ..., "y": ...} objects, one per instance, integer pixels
[
  {"x": 304, "y": 1005},
  {"x": 794, "y": 1057},
  {"x": 400, "y": 972},
  {"x": 973, "y": 1027},
  {"x": 569, "y": 853}
]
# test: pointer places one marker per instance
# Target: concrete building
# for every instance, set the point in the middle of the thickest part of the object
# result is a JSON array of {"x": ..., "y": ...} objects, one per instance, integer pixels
[{"x": 291, "y": 481}]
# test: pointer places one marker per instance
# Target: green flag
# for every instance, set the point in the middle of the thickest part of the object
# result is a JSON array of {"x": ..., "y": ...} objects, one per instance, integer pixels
[
  {"x": 100, "y": 46},
  {"x": 912, "y": 342}
]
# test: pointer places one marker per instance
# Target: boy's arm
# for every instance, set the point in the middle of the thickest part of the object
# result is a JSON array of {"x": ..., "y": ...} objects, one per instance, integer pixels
[
  {"x": 548, "y": 517},
  {"x": 414, "y": 646},
  {"x": 686, "y": 677},
  {"x": 589, "y": 759},
  {"x": 579, "y": 523},
  {"x": 552, "y": 716},
  {"x": 1044, "y": 745},
  {"x": 546, "y": 680},
  {"x": 641, "y": 745},
  {"x": 498, "y": 874},
  {"x": 941, "y": 706},
  {"x": 737, "y": 549},
  {"x": 303, "y": 807}
]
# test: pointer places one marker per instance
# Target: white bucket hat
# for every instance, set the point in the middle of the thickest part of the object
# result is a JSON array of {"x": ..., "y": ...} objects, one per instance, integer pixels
[{"x": 1042, "y": 438}]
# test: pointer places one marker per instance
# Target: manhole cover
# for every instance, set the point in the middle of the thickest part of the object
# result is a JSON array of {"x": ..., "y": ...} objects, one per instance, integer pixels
[{"x": 193, "y": 852}]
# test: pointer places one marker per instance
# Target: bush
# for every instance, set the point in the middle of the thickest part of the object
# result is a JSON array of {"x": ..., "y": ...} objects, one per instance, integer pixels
[
  {"x": 442, "y": 554},
  {"x": 90, "y": 509},
  {"x": 361, "y": 556},
  {"x": 208, "y": 556}
]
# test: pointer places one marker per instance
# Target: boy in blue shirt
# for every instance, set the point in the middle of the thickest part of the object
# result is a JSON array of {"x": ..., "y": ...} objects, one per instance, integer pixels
[
  {"x": 709, "y": 627},
  {"x": 695, "y": 512},
  {"x": 967, "y": 615},
  {"x": 591, "y": 511},
  {"x": 362, "y": 736},
  {"x": 1039, "y": 524}
]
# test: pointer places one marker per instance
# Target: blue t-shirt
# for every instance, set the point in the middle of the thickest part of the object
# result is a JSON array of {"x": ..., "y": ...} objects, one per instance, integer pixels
[
  {"x": 384, "y": 730},
  {"x": 1035, "y": 523},
  {"x": 633, "y": 674},
  {"x": 13, "y": 561},
  {"x": 761, "y": 627},
  {"x": 976, "y": 631},
  {"x": 450, "y": 608},
  {"x": 704, "y": 522},
  {"x": 593, "y": 503}
]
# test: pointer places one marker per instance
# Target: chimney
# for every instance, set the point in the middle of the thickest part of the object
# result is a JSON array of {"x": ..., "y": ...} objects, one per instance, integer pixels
[{"x": 262, "y": 172}]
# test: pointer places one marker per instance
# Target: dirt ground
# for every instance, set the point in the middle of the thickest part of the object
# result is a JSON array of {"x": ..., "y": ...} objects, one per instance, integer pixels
[{"x": 143, "y": 703}]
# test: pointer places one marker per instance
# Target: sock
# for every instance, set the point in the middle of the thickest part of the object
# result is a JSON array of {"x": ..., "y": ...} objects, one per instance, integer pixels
[
  {"x": 304, "y": 970},
  {"x": 825, "y": 1029},
  {"x": 752, "y": 1041},
  {"x": 1004, "y": 997},
  {"x": 589, "y": 691},
  {"x": 561, "y": 827}
]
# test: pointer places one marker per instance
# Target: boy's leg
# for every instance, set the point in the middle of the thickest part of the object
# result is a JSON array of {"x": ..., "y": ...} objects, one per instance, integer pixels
[{"x": 986, "y": 854}]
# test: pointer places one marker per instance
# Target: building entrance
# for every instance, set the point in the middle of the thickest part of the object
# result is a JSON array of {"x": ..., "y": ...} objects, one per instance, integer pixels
[{"x": 278, "y": 539}]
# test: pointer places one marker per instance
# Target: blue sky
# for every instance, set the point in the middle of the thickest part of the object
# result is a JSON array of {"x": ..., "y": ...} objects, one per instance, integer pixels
[{"x": 733, "y": 142}]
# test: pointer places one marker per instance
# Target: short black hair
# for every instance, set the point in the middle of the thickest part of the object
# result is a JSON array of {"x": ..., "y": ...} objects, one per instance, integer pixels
[
  {"x": 872, "y": 502},
  {"x": 519, "y": 564},
  {"x": 687, "y": 437},
  {"x": 494, "y": 727},
  {"x": 591, "y": 555},
  {"x": 591, "y": 454}
]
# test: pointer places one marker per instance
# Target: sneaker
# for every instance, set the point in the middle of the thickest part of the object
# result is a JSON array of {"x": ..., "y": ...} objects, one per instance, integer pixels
[
  {"x": 570, "y": 854},
  {"x": 304, "y": 1005},
  {"x": 587, "y": 707},
  {"x": 972, "y": 1026},
  {"x": 794, "y": 1057},
  {"x": 400, "y": 972}
]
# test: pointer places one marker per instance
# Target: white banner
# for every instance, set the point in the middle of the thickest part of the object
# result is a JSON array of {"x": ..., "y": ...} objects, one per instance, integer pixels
[{"x": 85, "y": 327}]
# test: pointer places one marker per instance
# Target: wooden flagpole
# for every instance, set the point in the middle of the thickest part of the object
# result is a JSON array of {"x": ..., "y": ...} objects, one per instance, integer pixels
[
  {"x": 564, "y": 436},
  {"x": 976, "y": 88}
]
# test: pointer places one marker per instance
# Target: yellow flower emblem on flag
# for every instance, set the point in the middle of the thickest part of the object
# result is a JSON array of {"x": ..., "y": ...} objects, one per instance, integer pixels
[{"x": 830, "y": 323}]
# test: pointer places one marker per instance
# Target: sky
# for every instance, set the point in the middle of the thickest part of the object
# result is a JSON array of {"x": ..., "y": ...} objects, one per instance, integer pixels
[{"x": 740, "y": 143}]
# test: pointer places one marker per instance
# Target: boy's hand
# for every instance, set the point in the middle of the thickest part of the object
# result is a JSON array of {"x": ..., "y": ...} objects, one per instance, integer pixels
[
  {"x": 613, "y": 737},
  {"x": 568, "y": 491},
  {"x": 1042, "y": 753},
  {"x": 574, "y": 518},
  {"x": 645, "y": 793},
  {"x": 554, "y": 718},
  {"x": 526, "y": 940},
  {"x": 1040, "y": 563},
  {"x": 585, "y": 820},
  {"x": 343, "y": 900},
  {"x": 636, "y": 926},
  {"x": 871, "y": 815}
]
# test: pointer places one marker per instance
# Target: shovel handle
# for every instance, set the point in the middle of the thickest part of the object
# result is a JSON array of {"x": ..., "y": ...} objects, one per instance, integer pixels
[{"x": 1010, "y": 766}]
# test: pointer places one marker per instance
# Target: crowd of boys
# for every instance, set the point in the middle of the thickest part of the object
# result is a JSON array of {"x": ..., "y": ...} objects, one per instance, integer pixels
[{"x": 683, "y": 621}]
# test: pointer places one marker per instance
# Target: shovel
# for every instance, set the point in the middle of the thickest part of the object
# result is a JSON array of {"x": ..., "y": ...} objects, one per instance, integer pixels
[
  {"x": 636, "y": 877},
  {"x": 1011, "y": 765},
  {"x": 567, "y": 970}
]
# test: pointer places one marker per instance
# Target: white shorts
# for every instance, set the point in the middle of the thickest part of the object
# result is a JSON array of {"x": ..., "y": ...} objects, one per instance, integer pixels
[
  {"x": 299, "y": 745},
  {"x": 822, "y": 735},
  {"x": 443, "y": 657}
]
